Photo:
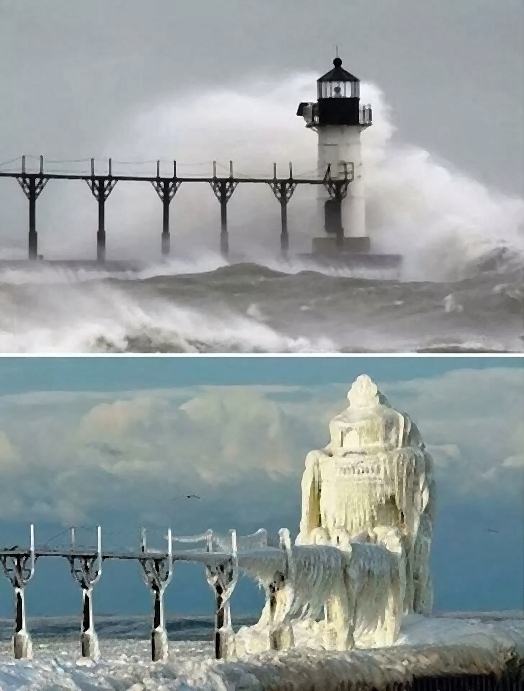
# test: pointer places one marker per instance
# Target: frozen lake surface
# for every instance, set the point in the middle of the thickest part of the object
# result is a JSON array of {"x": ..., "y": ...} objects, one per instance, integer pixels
[{"x": 480, "y": 643}]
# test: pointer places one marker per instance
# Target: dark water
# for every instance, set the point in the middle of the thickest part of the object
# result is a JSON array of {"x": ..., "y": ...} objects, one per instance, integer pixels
[
  {"x": 132, "y": 627},
  {"x": 249, "y": 307}
]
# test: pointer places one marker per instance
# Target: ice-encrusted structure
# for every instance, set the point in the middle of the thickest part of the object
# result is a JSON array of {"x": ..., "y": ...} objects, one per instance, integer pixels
[
  {"x": 361, "y": 559},
  {"x": 348, "y": 591},
  {"x": 374, "y": 476}
]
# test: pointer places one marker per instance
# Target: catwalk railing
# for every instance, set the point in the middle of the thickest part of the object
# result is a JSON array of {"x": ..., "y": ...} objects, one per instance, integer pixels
[
  {"x": 221, "y": 571},
  {"x": 33, "y": 179}
]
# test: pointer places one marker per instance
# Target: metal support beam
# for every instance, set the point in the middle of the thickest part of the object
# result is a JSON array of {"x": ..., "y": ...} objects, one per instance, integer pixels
[
  {"x": 223, "y": 189},
  {"x": 337, "y": 189},
  {"x": 158, "y": 571},
  {"x": 222, "y": 579},
  {"x": 280, "y": 632},
  {"x": 86, "y": 569},
  {"x": 32, "y": 185},
  {"x": 283, "y": 191},
  {"x": 166, "y": 188},
  {"x": 101, "y": 187},
  {"x": 19, "y": 570}
]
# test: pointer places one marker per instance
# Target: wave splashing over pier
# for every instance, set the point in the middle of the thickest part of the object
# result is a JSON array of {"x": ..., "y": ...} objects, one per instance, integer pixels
[
  {"x": 461, "y": 285},
  {"x": 250, "y": 307}
]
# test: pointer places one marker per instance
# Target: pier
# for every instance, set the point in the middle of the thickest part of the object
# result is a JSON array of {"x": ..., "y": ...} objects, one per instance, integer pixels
[
  {"x": 157, "y": 566},
  {"x": 33, "y": 179},
  {"x": 222, "y": 558}
]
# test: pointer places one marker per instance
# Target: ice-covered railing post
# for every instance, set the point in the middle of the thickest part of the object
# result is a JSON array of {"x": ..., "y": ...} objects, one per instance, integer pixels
[
  {"x": 158, "y": 571},
  {"x": 86, "y": 569},
  {"x": 222, "y": 578},
  {"x": 19, "y": 569}
]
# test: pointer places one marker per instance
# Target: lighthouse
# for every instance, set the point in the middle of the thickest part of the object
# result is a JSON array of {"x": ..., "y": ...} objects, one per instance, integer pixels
[{"x": 339, "y": 119}]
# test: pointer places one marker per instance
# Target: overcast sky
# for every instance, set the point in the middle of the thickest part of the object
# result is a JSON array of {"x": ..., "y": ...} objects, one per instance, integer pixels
[
  {"x": 452, "y": 71},
  {"x": 206, "y": 80},
  {"x": 122, "y": 441}
]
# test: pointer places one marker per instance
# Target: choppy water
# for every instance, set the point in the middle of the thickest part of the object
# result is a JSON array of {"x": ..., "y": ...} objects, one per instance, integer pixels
[
  {"x": 131, "y": 628},
  {"x": 254, "y": 307},
  {"x": 462, "y": 244}
]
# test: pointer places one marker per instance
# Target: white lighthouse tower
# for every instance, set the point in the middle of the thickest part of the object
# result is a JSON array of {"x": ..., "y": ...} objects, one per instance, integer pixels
[{"x": 339, "y": 119}]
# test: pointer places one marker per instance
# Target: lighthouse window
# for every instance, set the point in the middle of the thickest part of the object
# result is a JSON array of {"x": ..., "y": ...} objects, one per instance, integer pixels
[{"x": 341, "y": 89}]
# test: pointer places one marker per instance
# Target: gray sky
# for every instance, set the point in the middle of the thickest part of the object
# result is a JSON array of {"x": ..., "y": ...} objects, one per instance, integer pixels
[{"x": 452, "y": 71}]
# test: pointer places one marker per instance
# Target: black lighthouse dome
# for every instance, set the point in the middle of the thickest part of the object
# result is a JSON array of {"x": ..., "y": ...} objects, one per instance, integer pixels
[
  {"x": 338, "y": 94},
  {"x": 338, "y": 83}
]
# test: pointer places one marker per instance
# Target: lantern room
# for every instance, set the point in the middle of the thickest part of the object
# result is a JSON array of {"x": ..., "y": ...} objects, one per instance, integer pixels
[
  {"x": 338, "y": 83},
  {"x": 338, "y": 101}
]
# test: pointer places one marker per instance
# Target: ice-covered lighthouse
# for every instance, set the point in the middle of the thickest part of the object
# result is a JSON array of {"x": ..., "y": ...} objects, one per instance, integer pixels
[{"x": 339, "y": 119}]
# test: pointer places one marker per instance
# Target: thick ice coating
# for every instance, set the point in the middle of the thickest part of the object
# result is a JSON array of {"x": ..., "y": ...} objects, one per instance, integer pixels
[{"x": 374, "y": 475}]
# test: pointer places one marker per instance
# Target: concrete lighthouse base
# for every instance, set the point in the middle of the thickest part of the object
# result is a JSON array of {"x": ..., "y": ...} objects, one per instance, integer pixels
[
  {"x": 353, "y": 252},
  {"x": 332, "y": 245}
]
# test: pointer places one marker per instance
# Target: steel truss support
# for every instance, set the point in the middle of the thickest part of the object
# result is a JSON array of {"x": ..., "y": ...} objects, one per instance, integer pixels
[
  {"x": 223, "y": 189},
  {"x": 283, "y": 191},
  {"x": 166, "y": 188},
  {"x": 337, "y": 189},
  {"x": 19, "y": 569},
  {"x": 86, "y": 569},
  {"x": 32, "y": 185},
  {"x": 222, "y": 579},
  {"x": 158, "y": 571},
  {"x": 101, "y": 187}
]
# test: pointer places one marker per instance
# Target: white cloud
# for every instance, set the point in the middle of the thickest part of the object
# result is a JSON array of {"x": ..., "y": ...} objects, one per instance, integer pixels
[
  {"x": 70, "y": 455},
  {"x": 8, "y": 453},
  {"x": 516, "y": 461}
]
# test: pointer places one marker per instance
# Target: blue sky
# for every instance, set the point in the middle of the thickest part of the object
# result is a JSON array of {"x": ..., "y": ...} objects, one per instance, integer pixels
[{"x": 120, "y": 441}]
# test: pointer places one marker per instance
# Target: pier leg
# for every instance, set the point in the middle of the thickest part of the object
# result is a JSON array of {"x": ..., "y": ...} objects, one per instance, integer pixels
[
  {"x": 101, "y": 188},
  {"x": 280, "y": 633},
  {"x": 159, "y": 642},
  {"x": 283, "y": 191},
  {"x": 88, "y": 639},
  {"x": 339, "y": 227},
  {"x": 284, "y": 236},
  {"x": 22, "y": 646},
  {"x": 166, "y": 237},
  {"x": 33, "y": 237},
  {"x": 224, "y": 237},
  {"x": 224, "y": 635},
  {"x": 19, "y": 569},
  {"x": 223, "y": 190},
  {"x": 101, "y": 233},
  {"x": 32, "y": 186},
  {"x": 280, "y": 630},
  {"x": 166, "y": 188},
  {"x": 222, "y": 579},
  {"x": 86, "y": 569},
  {"x": 157, "y": 572}
]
